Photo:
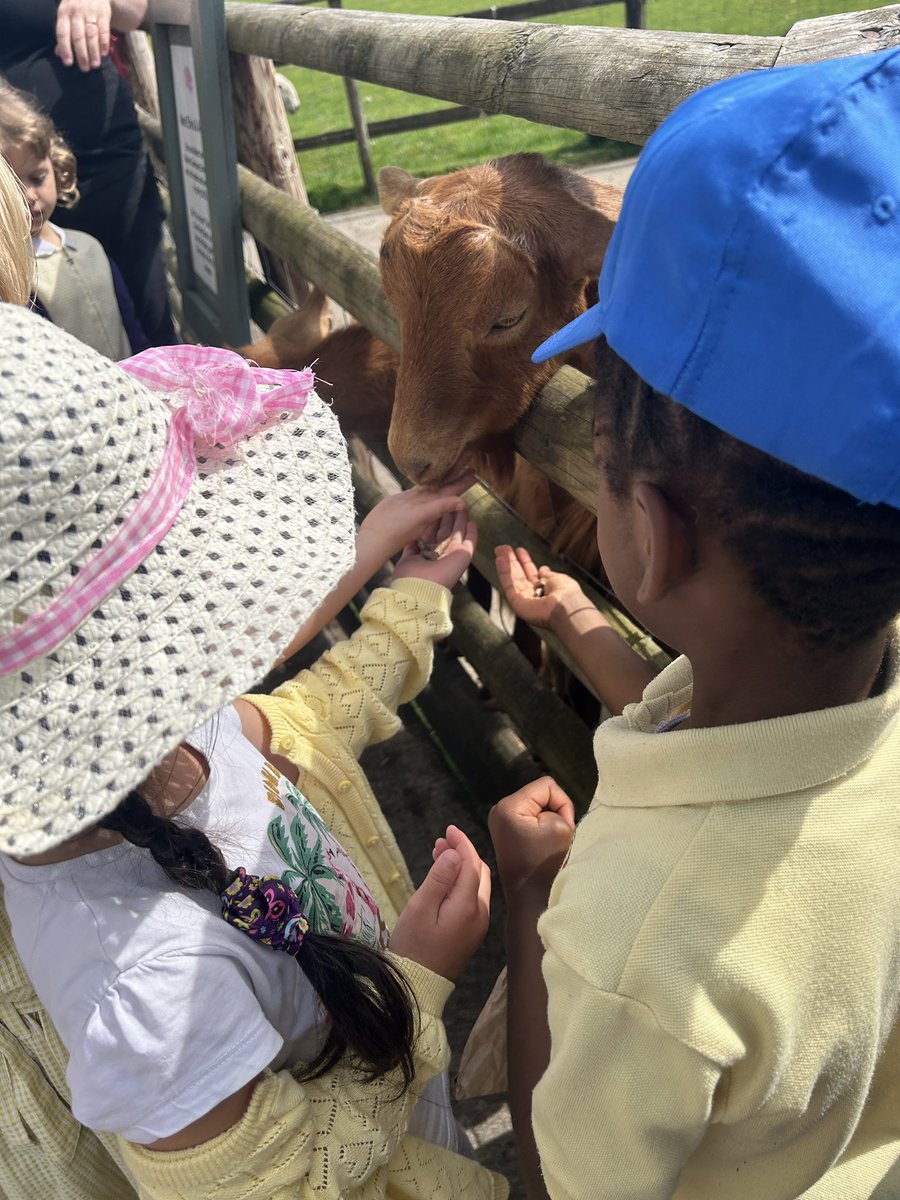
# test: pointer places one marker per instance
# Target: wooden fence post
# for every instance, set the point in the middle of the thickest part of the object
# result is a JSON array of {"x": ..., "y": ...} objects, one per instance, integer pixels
[
  {"x": 136, "y": 57},
  {"x": 360, "y": 128},
  {"x": 636, "y": 14},
  {"x": 258, "y": 106}
]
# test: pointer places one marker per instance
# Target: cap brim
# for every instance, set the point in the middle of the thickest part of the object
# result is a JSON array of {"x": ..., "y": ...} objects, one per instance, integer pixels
[{"x": 583, "y": 329}]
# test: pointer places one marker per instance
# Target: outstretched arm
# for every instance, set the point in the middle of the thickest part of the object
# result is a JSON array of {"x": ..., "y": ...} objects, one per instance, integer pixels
[
  {"x": 552, "y": 600},
  {"x": 355, "y": 688},
  {"x": 531, "y": 831},
  {"x": 391, "y": 525}
]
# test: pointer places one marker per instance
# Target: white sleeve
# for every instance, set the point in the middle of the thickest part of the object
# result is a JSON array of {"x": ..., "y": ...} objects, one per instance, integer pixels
[
  {"x": 622, "y": 1104},
  {"x": 171, "y": 1038}
]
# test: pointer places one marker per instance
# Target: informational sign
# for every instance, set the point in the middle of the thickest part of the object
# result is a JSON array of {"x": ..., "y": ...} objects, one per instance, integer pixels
[
  {"x": 193, "y": 164},
  {"x": 191, "y": 53}
]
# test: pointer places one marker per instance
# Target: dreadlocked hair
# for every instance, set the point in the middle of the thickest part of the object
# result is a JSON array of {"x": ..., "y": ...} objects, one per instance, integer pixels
[
  {"x": 825, "y": 561},
  {"x": 370, "y": 1006}
]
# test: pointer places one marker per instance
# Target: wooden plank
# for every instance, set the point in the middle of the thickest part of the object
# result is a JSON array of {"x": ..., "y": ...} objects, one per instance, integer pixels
[
  {"x": 546, "y": 723},
  {"x": 555, "y": 434},
  {"x": 617, "y": 83},
  {"x": 531, "y": 9},
  {"x": 841, "y": 35},
  {"x": 258, "y": 106},
  {"x": 426, "y": 120}
]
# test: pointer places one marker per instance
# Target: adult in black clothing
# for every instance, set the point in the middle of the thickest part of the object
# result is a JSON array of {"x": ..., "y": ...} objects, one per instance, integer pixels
[{"x": 59, "y": 52}]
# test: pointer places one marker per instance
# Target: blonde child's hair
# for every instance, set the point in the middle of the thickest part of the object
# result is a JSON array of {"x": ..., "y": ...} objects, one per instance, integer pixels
[
  {"x": 16, "y": 261},
  {"x": 23, "y": 124}
]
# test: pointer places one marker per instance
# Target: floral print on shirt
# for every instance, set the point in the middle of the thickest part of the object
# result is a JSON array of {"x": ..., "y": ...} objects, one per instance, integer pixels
[{"x": 332, "y": 893}]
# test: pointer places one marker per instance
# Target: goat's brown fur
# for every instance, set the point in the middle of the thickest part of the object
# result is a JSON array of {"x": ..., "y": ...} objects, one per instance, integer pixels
[{"x": 479, "y": 267}]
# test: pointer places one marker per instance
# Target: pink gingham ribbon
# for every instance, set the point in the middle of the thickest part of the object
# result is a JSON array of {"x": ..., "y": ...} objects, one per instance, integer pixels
[{"x": 217, "y": 399}]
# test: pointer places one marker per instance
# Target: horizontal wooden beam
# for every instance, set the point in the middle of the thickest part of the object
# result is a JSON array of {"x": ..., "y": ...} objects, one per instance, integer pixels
[
  {"x": 341, "y": 268},
  {"x": 423, "y": 120},
  {"x": 617, "y": 83}
]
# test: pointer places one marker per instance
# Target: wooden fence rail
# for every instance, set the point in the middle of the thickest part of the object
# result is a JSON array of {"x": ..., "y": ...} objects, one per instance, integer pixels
[
  {"x": 527, "y": 11},
  {"x": 616, "y": 83}
]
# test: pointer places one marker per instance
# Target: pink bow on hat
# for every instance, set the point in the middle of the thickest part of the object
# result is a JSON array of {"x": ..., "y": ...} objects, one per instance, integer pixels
[
  {"x": 218, "y": 398},
  {"x": 218, "y": 392}
]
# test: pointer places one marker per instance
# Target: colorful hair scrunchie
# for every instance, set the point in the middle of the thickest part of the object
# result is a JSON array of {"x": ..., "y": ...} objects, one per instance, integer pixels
[{"x": 266, "y": 909}]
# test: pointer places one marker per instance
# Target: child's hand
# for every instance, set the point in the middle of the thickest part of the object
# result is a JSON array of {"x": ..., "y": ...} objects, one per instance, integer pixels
[
  {"x": 445, "y": 920},
  {"x": 537, "y": 595},
  {"x": 442, "y": 553},
  {"x": 407, "y": 516},
  {"x": 532, "y": 832}
]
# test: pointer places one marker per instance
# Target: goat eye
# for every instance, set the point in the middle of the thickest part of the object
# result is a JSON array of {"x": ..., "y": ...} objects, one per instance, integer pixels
[{"x": 508, "y": 322}]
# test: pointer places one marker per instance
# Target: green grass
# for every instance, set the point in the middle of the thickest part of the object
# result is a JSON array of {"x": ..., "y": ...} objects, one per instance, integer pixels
[{"x": 333, "y": 175}]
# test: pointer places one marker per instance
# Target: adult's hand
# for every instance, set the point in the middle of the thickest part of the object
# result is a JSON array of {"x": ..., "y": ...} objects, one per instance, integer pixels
[
  {"x": 83, "y": 28},
  {"x": 82, "y": 32}
]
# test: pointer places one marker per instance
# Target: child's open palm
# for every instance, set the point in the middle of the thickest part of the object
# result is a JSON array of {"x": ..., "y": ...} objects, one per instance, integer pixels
[{"x": 535, "y": 593}]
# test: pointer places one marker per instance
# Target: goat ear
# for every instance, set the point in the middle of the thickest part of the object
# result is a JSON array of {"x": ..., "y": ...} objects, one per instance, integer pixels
[
  {"x": 570, "y": 217},
  {"x": 586, "y": 217},
  {"x": 395, "y": 187}
]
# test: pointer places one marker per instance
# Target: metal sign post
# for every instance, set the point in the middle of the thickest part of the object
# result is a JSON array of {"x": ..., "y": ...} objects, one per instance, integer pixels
[{"x": 191, "y": 52}]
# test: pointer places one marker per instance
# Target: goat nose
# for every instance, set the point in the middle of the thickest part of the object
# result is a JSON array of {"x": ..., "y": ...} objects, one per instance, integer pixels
[{"x": 416, "y": 470}]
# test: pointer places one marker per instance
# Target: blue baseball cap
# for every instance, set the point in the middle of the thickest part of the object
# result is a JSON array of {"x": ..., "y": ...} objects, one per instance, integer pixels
[{"x": 754, "y": 274}]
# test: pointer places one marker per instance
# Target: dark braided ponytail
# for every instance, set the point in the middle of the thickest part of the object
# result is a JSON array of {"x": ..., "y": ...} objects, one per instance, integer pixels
[{"x": 369, "y": 1003}]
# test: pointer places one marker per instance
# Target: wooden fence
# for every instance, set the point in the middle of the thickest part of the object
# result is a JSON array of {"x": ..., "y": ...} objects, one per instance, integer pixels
[
  {"x": 609, "y": 82},
  {"x": 362, "y": 131}
]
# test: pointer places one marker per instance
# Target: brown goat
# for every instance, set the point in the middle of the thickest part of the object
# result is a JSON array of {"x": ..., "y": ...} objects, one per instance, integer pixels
[{"x": 479, "y": 267}]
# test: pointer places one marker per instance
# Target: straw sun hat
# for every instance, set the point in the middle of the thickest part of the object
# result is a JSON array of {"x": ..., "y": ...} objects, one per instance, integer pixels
[{"x": 150, "y": 574}]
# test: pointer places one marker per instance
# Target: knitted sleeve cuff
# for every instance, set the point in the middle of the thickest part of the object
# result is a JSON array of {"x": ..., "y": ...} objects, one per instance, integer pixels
[
  {"x": 432, "y": 991},
  {"x": 426, "y": 593}
]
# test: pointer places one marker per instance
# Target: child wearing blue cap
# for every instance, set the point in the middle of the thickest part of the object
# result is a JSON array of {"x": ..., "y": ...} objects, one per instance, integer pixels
[{"x": 720, "y": 945}]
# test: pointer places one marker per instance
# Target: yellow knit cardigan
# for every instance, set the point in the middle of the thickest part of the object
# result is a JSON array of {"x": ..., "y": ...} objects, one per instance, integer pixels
[{"x": 334, "y": 1137}]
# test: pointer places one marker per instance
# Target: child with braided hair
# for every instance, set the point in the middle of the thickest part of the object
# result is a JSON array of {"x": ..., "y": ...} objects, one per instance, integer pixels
[
  {"x": 160, "y": 551},
  {"x": 709, "y": 962}
]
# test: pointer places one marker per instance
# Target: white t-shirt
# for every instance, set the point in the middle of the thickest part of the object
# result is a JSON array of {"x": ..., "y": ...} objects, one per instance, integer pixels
[{"x": 164, "y": 1008}]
